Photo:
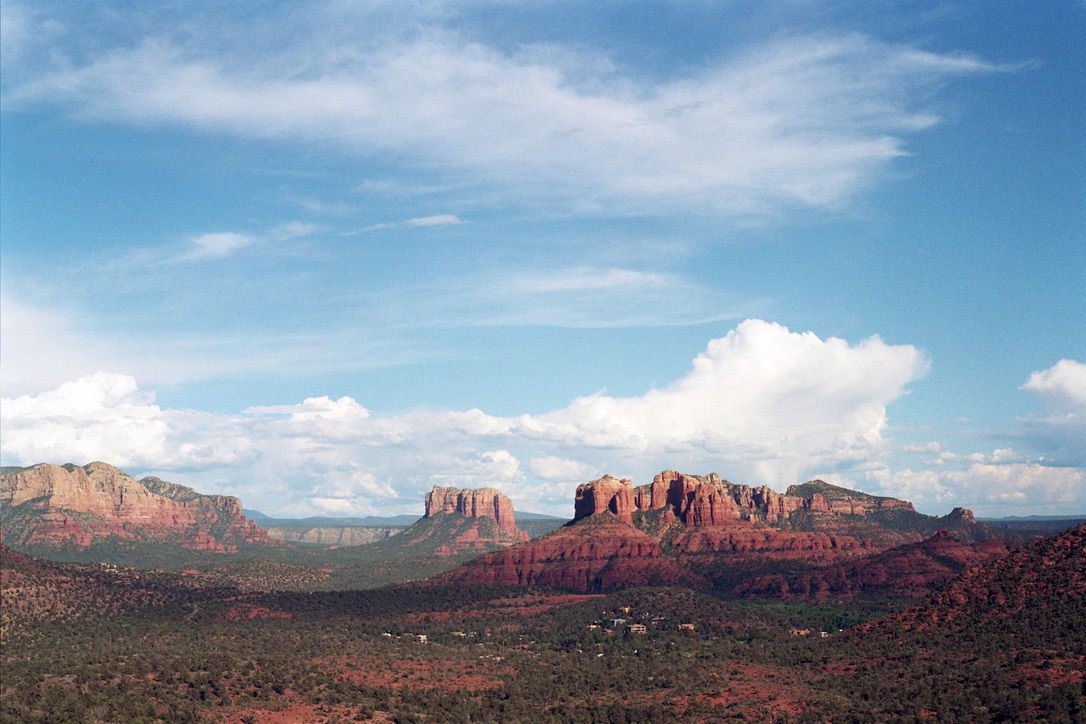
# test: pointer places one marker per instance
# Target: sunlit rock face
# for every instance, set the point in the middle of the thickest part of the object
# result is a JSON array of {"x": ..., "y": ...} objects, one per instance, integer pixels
[
  {"x": 475, "y": 503},
  {"x": 607, "y": 494},
  {"x": 57, "y": 506},
  {"x": 704, "y": 531}
]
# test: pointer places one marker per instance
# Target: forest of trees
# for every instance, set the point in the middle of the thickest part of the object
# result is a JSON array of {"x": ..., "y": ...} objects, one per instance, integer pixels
[{"x": 506, "y": 654}]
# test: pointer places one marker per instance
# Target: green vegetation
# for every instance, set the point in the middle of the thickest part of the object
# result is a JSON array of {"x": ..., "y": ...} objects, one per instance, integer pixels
[
  {"x": 831, "y": 492},
  {"x": 84, "y": 647}
]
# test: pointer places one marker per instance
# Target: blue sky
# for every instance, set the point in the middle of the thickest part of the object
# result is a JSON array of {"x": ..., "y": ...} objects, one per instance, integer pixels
[{"x": 324, "y": 256}]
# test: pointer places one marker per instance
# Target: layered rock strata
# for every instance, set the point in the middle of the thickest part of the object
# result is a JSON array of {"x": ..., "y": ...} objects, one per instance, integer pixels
[
  {"x": 600, "y": 555},
  {"x": 704, "y": 530},
  {"x": 475, "y": 503},
  {"x": 56, "y": 506}
]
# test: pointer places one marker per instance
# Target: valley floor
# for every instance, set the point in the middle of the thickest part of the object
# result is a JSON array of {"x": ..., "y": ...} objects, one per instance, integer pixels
[{"x": 459, "y": 653}]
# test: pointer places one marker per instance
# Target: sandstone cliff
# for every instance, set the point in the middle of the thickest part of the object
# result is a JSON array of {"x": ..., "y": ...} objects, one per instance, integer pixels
[
  {"x": 707, "y": 531},
  {"x": 599, "y": 554},
  {"x": 476, "y": 503},
  {"x": 52, "y": 506}
]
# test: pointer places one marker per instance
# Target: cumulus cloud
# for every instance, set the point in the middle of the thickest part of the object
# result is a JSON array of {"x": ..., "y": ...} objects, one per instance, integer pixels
[
  {"x": 1061, "y": 387},
  {"x": 805, "y": 120},
  {"x": 1058, "y": 432},
  {"x": 763, "y": 404},
  {"x": 99, "y": 417},
  {"x": 1024, "y": 483},
  {"x": 560, "y": 469},
  {"x": 786, "y": 401}
]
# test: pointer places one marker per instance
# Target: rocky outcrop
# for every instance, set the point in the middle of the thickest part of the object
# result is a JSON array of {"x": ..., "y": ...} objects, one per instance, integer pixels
[
  {"x": 606, "y": 495},
  {"x": 475, "y": 503},
  {"x": 710, "y": 500},
  {"x": 599, "y": 553},
  {"x": 54, "y": 506},
  {"x": 707, "y": 531},
  {"x": 1039, "y": 587}
]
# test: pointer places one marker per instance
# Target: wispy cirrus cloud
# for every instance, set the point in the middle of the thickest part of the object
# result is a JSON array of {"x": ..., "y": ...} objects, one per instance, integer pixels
[
  {"x": 419, "y": 222},
  {"x": 576, "y": 297},
  {"x": 221, "y": 244},
  {"x": 801, "y": 121}
]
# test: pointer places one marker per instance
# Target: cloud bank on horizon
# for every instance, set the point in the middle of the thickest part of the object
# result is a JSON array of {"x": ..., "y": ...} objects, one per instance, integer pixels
[
  {"x": 325, "y": 255},
  {"x": 770, "y": 405}
]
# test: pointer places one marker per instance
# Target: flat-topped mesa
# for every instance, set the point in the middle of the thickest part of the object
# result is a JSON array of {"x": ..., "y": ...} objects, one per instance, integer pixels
[
  {"x": 608, "y": 494},
  {"x": 477, "y": 503}
]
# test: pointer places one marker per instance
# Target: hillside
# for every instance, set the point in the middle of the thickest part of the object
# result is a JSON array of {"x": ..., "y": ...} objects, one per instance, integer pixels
[
  {"x": 78, "y": 512},
  {"x": 489, "y": 652},
  {"x": 1039, "y": 589},
  {"x": 706, "y": 532}
]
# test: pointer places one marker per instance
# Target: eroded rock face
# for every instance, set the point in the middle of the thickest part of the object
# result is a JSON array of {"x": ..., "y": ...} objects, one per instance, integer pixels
[
  {"x": 601, "y": 554},
  {"x": 475, "y": 503},
  {"x": 56, "y": 506},
  {"x": 710, "y": 500},
  {"x": 706, "y": 531},
  {"x": 607, "y": 494}
]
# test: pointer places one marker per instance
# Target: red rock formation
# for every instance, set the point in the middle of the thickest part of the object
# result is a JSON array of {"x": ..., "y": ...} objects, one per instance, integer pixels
[
  {"x": 759, "y": 539},
  {"x": 714, "y": 530},
  {"x": 597, "y": 554},
  {"x": 914, "y": 570},
  {"x": 607, "y": 494},
  {"x": 76, "y": 506},
  {"x": 477, "y": 503}
]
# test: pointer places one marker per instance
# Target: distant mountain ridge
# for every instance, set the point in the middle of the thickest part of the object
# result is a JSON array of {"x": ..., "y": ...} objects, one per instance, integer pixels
[{"x": 369, "y": 520}]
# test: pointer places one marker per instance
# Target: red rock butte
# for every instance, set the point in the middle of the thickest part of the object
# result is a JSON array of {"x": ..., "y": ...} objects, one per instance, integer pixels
[
  {"x": 707, "y": 531},
  {"x": 712, "y": 501},
  {"x": 475, "y": 503}
]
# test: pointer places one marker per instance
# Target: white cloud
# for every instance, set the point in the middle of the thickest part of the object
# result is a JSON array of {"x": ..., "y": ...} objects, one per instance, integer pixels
[
  {"x": 571, "y": 297},
  {"x": 1061, "y": 387},
  {"x": 762, "y": 396},
  {"x": 439, "y": 220},
  {"x": 929, "y": 448},
  {"x": 43, "y": 348},
  {"x": 1059, "y": 432},
  {"x": 100, "y": 417},
  {"x": 805, "y": 120},
  {"x": 560, "y": 469},
  {"x": 335, "y": 506},
  {"x": 1027, "y": 485},
  {"x": 219, "y": 244},
  {"x": 420, "y": 222},
  {"x": 761, "y": 405}
]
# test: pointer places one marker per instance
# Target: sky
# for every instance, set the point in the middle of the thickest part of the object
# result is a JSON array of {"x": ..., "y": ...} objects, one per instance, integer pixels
[{"x": 326, "y": 255}]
